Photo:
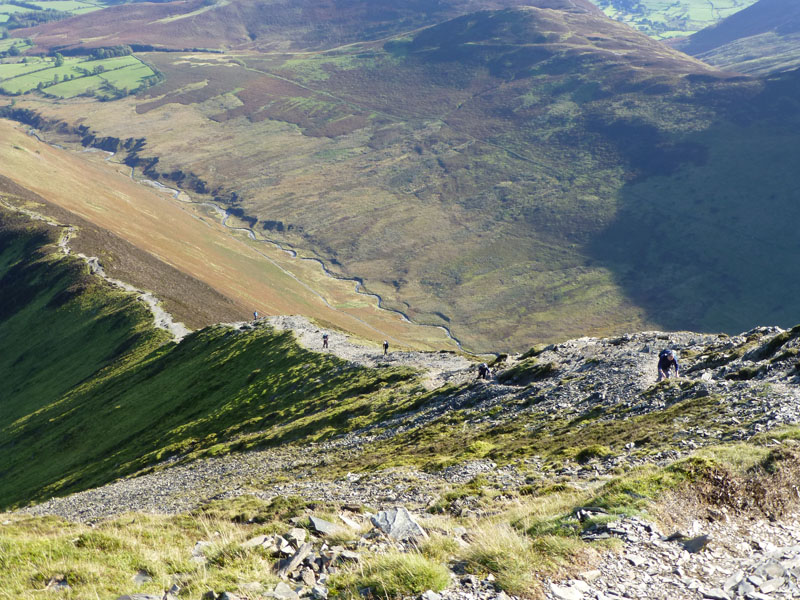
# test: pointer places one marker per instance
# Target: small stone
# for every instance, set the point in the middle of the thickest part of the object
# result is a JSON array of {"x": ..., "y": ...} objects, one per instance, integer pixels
[
  {"x": 259, "y": 540},
  {"x": 349, "y": 522},
  {"x": 283, "y": 591},
  {"x": 562, "y": 592},
  {"x": 636, "y": 561},
  {"x": 322, "y": 526},
  {"x": 431, "y": 595},
  {"x": 695, "y": 544},
  {"x": 228, "y": 596},
  {"x": 319, "y": 592},
  {"x": 308, "y": 578},
  {"x": 732, "y": 581},
  {"x": 772, "y": 585},
  {"x": 142, "y": 577},
  {"x": 715, "y": 594},
  {"x": 590, "y": 575},
  {"x": 296, "y": 536}
]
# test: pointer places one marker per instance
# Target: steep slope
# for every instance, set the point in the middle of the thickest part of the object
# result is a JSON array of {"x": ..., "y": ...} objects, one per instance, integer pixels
[
  {"x": 93, "y": 387},
  {"x": 763, "y": 38}
]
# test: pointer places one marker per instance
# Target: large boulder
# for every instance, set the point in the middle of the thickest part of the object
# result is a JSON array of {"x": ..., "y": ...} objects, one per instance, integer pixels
[{"x": 398, "y": 524}]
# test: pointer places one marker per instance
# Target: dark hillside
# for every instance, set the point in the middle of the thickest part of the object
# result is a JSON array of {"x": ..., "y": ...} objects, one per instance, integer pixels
[
  {"x": 91, "y": 391},
  {"x": 762, "y": 38}
]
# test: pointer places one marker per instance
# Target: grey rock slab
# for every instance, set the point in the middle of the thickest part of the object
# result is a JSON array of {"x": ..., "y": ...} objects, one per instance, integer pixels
[
  {"x": 398, "y": 524},
  {"x": 283, "y": 591},
  {"x": 298, "y": 557},
  {"x": 563, "y": 592},
  {"x": 297, "y": 536},
  {"x": 732, "y": 581},
  {"x": 319, "y": 592},
  {"x": 772, "y": 585},
  {"x": 259, "y": 540},
  {"x": 323, "y": 527},
  {"x": 431, "y": 595}
]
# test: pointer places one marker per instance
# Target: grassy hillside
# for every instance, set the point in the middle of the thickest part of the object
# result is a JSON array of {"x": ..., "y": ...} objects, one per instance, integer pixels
[
  {"x": 664, "y": 20},
  {"x": 764, "y": 38},
  {"x": 93, "y": 392}
]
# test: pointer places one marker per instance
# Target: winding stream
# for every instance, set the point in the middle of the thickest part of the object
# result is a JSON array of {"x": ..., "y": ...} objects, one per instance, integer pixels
[{"x": 225, "y": 215}]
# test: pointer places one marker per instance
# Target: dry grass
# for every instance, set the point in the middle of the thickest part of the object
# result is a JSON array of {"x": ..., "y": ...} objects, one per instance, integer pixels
[{"x": 252, "y": 275}]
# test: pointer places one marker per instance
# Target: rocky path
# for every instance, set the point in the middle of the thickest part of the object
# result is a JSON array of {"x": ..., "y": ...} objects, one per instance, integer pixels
[{"x": 441, "y": 367}]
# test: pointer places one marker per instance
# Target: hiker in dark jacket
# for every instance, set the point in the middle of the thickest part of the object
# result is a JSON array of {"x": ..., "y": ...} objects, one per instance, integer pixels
[
  {"x": 666, "y": 360},
  {"x": 324, "y": 340},
  {"x": 385, "y": 347},
  {"x": 483, "y": 371}
]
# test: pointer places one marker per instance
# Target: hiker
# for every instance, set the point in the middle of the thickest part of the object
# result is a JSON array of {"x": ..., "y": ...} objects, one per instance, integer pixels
[
  {"x": 666, "y": 360},
  {"x": 255, "y": 315},
  {"x": 483, "y": 371},
  {"x": 385, "y": 347},
  {"x": 324, "y": 340}
]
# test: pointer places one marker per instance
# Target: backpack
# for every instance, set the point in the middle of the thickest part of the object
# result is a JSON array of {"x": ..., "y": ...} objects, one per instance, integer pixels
[{"x": 666, "y": 352}]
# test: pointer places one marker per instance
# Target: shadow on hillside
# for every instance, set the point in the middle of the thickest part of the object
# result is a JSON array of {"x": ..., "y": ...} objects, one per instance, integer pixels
[{"x": 714, "y": 245}]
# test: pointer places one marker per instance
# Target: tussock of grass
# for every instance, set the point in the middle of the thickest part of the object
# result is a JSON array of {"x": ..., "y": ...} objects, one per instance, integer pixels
[{"x": 395, "y": 575}]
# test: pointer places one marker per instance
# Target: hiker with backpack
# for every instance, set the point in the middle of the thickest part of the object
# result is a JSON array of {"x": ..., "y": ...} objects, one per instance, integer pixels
[
  {"x": 483, "y": 371},
  {"x": 324, "y": 340},
  {"x": 385, "y": 347},
  {"x": 666, "y": 360}
]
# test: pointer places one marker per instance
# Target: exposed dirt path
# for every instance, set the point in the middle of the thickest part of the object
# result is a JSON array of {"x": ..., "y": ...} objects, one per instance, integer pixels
[
  {"x": 441, "y": 367},
  {"x": 161, "y": 318}
]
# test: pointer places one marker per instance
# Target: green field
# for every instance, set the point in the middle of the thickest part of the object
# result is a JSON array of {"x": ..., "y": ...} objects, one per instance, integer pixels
[
  {"x": 671, "y": 18},
  {"x": 120, "y": 72},
  {"x": 71, "y": 6},
  {"x": 8, "y": 42}
]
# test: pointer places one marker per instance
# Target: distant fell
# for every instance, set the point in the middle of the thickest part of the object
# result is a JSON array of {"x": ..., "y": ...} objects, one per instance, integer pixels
[
  {"x": 762, "y": 38},
  {"x": 259, "y": 24}
]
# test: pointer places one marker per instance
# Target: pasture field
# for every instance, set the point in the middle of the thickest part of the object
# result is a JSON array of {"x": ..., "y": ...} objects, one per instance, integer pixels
[
  {"x": 121, "y": 72},
  {"x": 20, "y": 43},
  {"x": 8, "y": 9},
  {"x": 670, "y": 18},
  {"x": 127, "y": 77},
  {"x": 71, "y": 6}
]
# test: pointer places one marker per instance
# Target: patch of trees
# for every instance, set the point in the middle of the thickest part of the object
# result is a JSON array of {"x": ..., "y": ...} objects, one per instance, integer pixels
[
  {"x": 33, "y": 18},
  {"x": 114, "y": 51}
]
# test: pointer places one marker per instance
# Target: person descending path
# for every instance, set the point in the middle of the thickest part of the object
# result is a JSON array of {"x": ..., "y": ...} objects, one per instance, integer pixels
[
  {"x": 255, "y": 315},
  {"x": 324, "y": 340},
  {"x": 385, "y": 347},
  {"x": 666, "y": 360},
  {"x": 483, "y": 371}
]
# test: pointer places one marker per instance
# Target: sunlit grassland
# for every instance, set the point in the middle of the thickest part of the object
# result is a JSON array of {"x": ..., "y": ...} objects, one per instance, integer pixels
[
  {"x": 667, "y": 18},
  {"x": 21, "y": 44},
  {"x": 123, "y": 72}
]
